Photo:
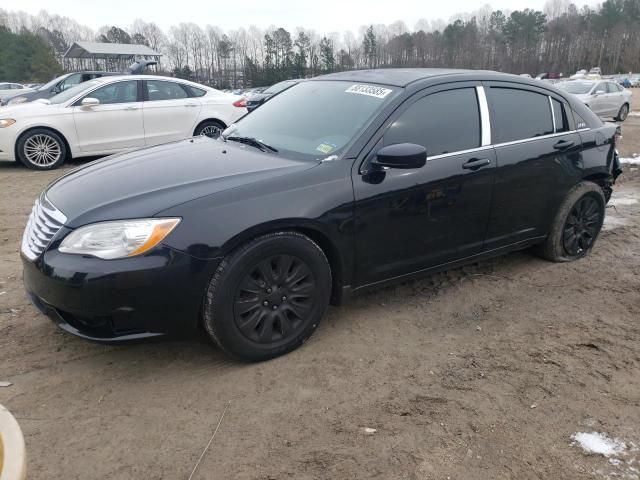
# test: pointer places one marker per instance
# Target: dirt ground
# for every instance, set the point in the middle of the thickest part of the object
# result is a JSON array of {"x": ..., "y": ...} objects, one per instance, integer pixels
[{"x": 482, "y": 372}]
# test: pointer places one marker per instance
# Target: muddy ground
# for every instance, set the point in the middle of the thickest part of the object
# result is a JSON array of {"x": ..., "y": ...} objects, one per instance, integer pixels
[{"x": 482, "y": 372}]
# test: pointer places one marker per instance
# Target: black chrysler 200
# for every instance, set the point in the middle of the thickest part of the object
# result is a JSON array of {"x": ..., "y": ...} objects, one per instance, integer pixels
[{"x": 383, "y": 175}]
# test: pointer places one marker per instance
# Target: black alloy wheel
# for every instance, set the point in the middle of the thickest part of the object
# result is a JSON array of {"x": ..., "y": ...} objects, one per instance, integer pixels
[
  {"x": 274, "y": 298},
  {"x": 268, "y": 296},
  {"x": 582, "y": 226}
]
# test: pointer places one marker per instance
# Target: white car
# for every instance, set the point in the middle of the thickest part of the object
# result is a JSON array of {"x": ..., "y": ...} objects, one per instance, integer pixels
[
  {"x": 112, "y": 114},
  {"x": 606, "y": 98}
]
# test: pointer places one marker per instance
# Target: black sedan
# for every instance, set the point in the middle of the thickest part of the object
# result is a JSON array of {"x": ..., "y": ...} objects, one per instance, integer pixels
[
  {"x": 256, "y": 99},
  {"x": 383, "y": 176}
]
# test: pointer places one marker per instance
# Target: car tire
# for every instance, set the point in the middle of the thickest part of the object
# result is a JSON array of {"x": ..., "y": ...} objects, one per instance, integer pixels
[
  {"x": 622, "y": 113},
  {"x": 576, "y": 225},
  {"x": 41, "y": 149},
  {"x": 209, "y": 128},
  {"x": 267, "y": 297}
]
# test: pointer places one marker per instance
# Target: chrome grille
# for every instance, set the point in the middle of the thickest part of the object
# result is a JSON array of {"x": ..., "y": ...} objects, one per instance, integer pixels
[{"x": 44, "y": 222}]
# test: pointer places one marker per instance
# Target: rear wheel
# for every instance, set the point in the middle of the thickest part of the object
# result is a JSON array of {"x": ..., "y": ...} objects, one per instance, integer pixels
[
  {"x": 41, "y": 149},
  {"x": 209, "y": 128},
  {"x": 268, "y": 296},
  {"x": 622, "y": 113},
  {"x": 576, "y": 225}
]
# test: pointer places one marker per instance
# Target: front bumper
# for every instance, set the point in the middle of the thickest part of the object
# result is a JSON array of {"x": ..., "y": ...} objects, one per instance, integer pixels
[
  {"x": 7, "y": 144},
  {"x": 120, "y": 300}
]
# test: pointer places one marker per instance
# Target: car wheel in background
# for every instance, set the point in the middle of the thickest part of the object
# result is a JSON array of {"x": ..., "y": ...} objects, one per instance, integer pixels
[
  {"x": 41, "y": 149},
  {"x": 576, "y": 225},
  {"x": 209, "y": 128},
  {"x": 268, "y": 296},
  {"x": 622, "y": 113}
]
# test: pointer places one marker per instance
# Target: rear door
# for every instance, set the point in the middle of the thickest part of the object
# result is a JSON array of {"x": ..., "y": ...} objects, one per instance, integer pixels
[
  {"x": 170, "y": 112},
  {"x": 114, "y": 124},
  {"x": 409, "y": 220},
  {"x": 538, "y": 158}
]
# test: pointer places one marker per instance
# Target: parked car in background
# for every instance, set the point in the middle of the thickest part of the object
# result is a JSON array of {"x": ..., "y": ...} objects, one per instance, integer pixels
[
  {"x": 256, "y": 99},
  {"x": 606, "y": 98},
  {"x": 54, "y": 87},
  {"x": 10, "y": 89},
  {"x": 111, "y": 114},
  {"x": 337, "y": 185},
  {"x": 64, "y": 82}
]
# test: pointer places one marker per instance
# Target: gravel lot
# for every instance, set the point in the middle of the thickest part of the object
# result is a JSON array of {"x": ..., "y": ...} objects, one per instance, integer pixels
[{"x": 482, "y": 372}]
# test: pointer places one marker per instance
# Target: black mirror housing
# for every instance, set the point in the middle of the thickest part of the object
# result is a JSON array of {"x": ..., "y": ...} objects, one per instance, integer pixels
[{"x": 401, "y": 155}]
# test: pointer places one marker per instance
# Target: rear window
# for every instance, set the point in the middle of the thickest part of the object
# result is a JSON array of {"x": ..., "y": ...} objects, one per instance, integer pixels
[{"x": 519, "y": 114}]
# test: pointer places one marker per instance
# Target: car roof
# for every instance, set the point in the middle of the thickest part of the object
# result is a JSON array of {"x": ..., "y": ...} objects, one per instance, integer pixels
[{"x": 398, "y": 77}]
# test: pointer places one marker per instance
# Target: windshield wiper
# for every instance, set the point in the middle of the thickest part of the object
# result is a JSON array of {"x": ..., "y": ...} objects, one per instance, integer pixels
[{"x": 254, "y": 142}]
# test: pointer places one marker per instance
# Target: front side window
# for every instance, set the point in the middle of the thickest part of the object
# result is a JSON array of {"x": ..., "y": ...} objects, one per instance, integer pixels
[
  {"x": 443, "y": 122},
  {"x": 315, "y": 119},
  {"x": 519, "y": 114},
  {"x": 600, "y": 88},
  {"x": 70, "y": 81},
  {"x": 159, "y": 90},
  {"x": 121, "y": 92}
]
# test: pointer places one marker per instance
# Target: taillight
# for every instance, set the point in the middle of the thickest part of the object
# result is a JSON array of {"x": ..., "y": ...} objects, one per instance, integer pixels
[{"x": 242, "y": 103}]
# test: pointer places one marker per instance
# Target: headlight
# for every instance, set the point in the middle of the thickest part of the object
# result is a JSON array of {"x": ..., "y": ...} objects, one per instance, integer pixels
[
  {"x": 125, "y": 238},
  {"x": 17, "y": 100},
  {"x": 6, "y": 122}
]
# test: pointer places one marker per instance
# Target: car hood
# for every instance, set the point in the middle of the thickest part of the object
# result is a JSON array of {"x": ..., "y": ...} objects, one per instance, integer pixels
[
  {"x": 144, "y": 182},
  {"x": 30, "y": 109},
  {"x": 30, "y": 95}
]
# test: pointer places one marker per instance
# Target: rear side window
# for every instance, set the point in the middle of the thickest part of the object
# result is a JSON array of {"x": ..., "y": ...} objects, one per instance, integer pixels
[
  {"x": 195, "y": 92},
  {"x": 442, "y": 122},
  {"x": 160, "y": 90},
  {"x": 519, "y": 114},
  {"x": 560, "y": 115}
]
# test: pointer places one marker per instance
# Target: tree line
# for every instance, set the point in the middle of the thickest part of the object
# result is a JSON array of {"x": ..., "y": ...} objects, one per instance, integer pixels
[{"x": 560, "y": 38}]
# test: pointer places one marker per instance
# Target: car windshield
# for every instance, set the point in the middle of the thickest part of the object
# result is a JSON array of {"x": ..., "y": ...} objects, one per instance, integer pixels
[
  {"x": 315, "y": 119},
  {"x": 576, "y": 87},
  {"x": 73, "y": 91},
  {"x": 49, "y": 85},
  {"x": 278, "y": 87}
]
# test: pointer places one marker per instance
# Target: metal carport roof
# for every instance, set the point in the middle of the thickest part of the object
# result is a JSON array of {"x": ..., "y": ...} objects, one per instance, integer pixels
[{"x": 109, "y": 50}]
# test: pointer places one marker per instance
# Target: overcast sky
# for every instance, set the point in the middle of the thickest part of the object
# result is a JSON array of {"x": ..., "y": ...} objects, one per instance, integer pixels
[{"x": 320, "y": 15}]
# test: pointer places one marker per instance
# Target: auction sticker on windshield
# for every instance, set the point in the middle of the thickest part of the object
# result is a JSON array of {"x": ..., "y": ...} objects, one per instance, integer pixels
[{"x": 370, "y": 90}]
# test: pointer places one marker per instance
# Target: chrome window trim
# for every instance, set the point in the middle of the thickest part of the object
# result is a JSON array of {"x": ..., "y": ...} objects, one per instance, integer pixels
[
  {"x": 533, "y": 139},
  {"x": 485, "y": 119},
  {"x": 553, "y": 114},
  {"x": 460, "y": 152}
]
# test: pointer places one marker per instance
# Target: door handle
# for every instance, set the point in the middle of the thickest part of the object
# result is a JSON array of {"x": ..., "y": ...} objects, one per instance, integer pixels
[
  {"x": 131, "y": 108},
  {"x": 476, "y": 163},
  {"x": 191, "y": 105},
  {"x": 563, "y": 144}
]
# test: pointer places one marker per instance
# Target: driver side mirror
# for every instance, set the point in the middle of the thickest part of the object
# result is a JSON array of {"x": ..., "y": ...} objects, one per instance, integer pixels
[
  {"x": 401, "y": 155},
  {"x": 89, "y": 102},
  {"x": 598, "y": 92}
]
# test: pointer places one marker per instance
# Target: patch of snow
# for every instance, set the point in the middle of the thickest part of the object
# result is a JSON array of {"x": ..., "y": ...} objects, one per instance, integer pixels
[
  {"x": 598, "y": 443},
  {"x": 630, "y": 160},
  {"x": 611, "y": 222},
  {"x": 623, "y": 201},
  {"x": 369, "y": 431}
]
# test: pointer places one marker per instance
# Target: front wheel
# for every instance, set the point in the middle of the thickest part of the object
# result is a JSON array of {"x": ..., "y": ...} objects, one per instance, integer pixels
[
  {"x": 266, "y": 298},
  {"x": 41, "y": 149},
  {"x": 576, "y": 225},
  {"x": 622, "y": 113}
]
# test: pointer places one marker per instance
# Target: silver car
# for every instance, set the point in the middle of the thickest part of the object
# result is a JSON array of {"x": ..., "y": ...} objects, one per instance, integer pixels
[{"x": 606, "y": 98}]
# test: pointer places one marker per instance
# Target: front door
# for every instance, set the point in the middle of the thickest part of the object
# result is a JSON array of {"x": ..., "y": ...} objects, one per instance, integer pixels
[
  {"x": 115, "y": 124},
  {"x": 410, "y": 220}
]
